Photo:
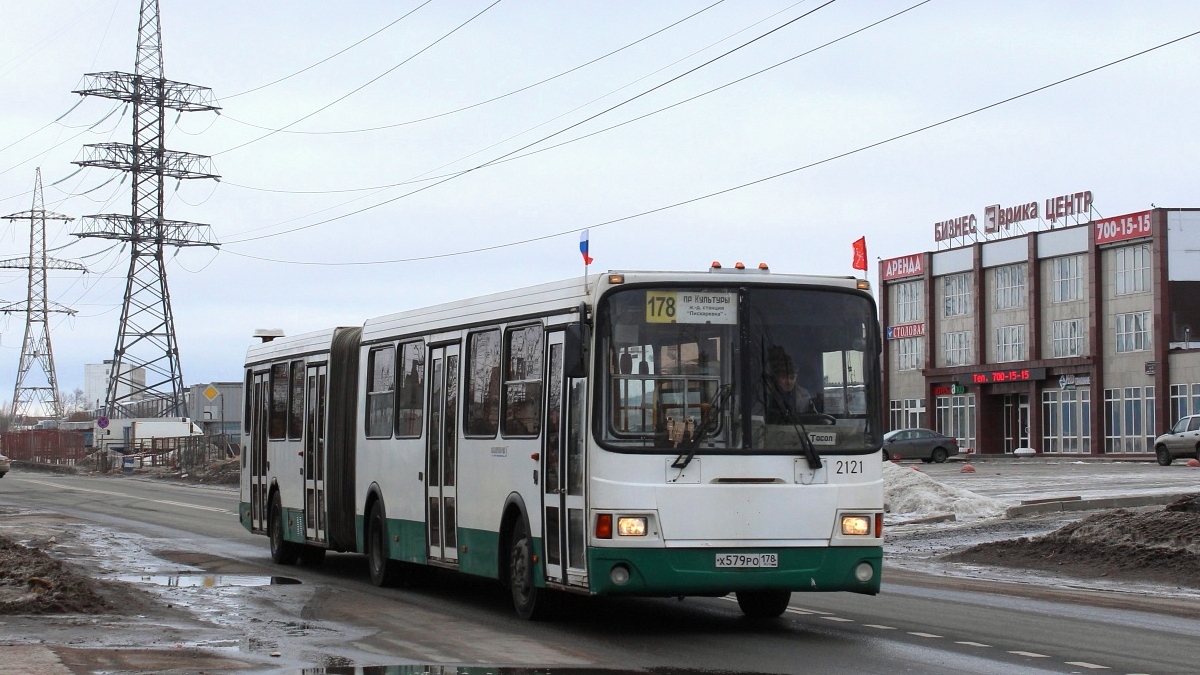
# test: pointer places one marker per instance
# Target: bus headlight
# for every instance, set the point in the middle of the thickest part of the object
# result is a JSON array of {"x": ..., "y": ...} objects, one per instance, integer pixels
[
  {"x": 631, "y": 527},
  {"x": 856, "y": 525}
]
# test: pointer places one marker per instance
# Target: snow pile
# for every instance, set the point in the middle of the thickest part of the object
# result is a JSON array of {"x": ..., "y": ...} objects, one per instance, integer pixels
[{"x": 911, "y": 493}]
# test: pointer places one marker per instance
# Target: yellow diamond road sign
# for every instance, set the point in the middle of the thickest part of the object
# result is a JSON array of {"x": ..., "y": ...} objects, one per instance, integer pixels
[{"x": 211, "y": 393}]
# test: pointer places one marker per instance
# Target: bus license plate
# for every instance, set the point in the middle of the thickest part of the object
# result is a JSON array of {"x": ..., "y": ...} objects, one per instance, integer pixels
[{"x": 747, "y": 560}]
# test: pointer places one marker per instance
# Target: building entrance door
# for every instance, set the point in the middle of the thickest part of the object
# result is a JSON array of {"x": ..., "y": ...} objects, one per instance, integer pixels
[{"x": 1016, "y": 421}]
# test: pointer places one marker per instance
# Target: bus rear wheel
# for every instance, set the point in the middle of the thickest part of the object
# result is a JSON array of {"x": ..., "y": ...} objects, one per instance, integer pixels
[
  {"x": 283, "y": 552},
  {"x": 532, "y": 603},
  {"x": 384, "y": 571},
  {"x": 763, "y": 604}
]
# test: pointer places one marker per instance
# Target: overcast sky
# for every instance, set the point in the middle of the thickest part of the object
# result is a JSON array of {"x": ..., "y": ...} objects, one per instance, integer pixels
[{"x": 1127, "y": 133}]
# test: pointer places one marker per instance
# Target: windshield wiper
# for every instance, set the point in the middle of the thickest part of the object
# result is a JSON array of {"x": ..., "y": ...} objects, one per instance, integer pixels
[
  {"x": 810, "y": 451},
  {"x": 711, "y": 424}
]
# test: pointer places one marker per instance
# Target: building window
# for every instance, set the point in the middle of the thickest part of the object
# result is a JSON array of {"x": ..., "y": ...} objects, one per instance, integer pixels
[
  {"x": 896, "y": 418},
  {"x": 1066, "y": 421},
  {"x": 958, "y": 293},
  {"x": 956, "y": 417},
  {"x": 482, "y": 415},
  {"x": 914, "y": 413},
  {"x": 411, "y": 403},
  {"x": 1010, "y": 343},
  {"x": 1067, "y": 278},
  {"x": 1179, "y": 402},
  {"x": 910, "y": 302},
  {"x": 1133, "y": 269},
  {"x": 1133, "y": 332},
  {"x": 1010, "y": 286},
  {"x": 381, "y": 391},
  {"x": 1129, "y": 419},
  {"x": 1068, "y": 338},
  {"x": 909, "y": 353},
  {"x": 957, "y": 347}
]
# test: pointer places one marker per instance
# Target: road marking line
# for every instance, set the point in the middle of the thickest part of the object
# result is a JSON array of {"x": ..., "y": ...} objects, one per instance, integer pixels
[
  {"x": 971, "y": 644},
  {"x": 127, "y": 496},
  {"x": 789, "y": 610},
  {"x": 1032, "y": 655},
  {"x": 835, "y": 618},
  {"x": 875, "y": 625},
  {"x": 924, "y": 635},
  {"x": 1085, "y": 664}
]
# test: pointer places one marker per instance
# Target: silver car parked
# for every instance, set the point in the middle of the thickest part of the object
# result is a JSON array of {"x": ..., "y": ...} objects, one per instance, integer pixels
[
  {"x": 924, "y": 444},
  {"x": 1183, "y": 440}
]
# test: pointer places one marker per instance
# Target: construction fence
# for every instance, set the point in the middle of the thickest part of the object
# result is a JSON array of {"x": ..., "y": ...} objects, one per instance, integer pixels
[{"x": 66, "y": 447}]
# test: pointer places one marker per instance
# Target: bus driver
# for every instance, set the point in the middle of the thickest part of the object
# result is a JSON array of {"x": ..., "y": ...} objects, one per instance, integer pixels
[{"x": 786, "y": 400}]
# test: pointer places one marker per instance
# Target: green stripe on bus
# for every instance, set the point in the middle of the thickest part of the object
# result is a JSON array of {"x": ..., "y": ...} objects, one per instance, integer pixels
[
  {"x": 692, "y": 571},
  {"x": 293, "y": 525}
]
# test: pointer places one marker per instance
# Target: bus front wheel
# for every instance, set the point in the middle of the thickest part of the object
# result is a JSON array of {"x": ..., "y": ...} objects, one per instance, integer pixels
[
  {"x": 283, "y": 552},
  {"x": 531, "y": 602},
  {"x": 763, "y": 604}
]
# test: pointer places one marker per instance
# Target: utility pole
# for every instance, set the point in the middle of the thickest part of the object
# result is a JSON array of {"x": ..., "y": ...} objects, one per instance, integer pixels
[
  {"x": 146, "y": 380},
  {"x": 36, "y": 347}
]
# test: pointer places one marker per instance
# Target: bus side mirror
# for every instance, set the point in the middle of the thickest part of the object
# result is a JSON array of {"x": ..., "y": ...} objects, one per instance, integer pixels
[{"x": 575, "y": 350}]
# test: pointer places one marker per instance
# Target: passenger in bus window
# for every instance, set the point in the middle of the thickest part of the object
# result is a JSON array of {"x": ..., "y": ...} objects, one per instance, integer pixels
[{"x": 786, "y": 400}]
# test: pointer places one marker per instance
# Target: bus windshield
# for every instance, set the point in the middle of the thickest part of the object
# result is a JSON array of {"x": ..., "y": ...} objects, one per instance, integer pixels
[{"x": 713, "y": 370}]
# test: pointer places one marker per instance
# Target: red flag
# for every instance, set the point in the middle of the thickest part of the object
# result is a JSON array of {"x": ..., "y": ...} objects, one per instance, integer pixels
[{"x": 860, "y": 254}]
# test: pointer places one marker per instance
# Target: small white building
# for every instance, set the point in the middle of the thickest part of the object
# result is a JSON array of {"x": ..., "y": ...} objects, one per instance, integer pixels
[{"x": 95, "y": 382}]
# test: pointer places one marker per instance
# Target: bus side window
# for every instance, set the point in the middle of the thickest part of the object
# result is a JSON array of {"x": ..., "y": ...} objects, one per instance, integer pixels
[
  {"x": 296, "y": 407},
  {"x": 277, "y": 423},
  {"x": 523, "y": 351},
  {"x": 482, "y": 405},
  {"x": 381, "y": 390},
  {"x": 411, "y": 403}
]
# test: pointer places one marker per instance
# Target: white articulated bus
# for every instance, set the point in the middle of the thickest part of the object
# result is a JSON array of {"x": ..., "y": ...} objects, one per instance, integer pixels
[{"x": 634, "y": 433}]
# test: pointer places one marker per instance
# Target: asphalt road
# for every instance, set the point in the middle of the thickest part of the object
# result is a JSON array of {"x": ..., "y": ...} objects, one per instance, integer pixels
[{"x": 919, "y": 624}]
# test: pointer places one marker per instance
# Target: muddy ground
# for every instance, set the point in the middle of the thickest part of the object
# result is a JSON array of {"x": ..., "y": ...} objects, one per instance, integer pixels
[
  {"x": 1151, "y": 545},
  {"x": 31, "y": 582}
]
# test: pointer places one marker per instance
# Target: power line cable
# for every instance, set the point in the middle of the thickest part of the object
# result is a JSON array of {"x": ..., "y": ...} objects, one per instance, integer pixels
[
  {"x": 418, "y": 178},
  {"x": 734, "y": 188},
  {"x": 609, "y": 128},
  {"x": 327, "y": 58},
  {"x": 363, "y": 86},
  {"x": 494, "y": 98},
  {"x": 552, "y": 135}
]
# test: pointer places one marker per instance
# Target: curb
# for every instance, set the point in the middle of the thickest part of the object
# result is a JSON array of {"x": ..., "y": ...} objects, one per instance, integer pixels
[{"x": 1077, "y": 504}]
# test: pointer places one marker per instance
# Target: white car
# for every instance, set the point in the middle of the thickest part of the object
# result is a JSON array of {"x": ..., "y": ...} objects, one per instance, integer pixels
[
  {"x": 4, "y": 466},
  {"x": 1183, "y": 440}
]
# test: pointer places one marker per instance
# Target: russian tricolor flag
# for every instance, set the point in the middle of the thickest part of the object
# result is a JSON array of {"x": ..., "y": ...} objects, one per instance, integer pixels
[{"x": 583, "y": 247}]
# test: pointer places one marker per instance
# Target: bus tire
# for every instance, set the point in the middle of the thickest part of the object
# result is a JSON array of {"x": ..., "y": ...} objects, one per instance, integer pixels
[
  {"x": 312, "y": 556},
  {"x": 532, "y": 603},
  {"x": 384, "y": 571},
  {"x": 283, "y": 552},
  {"x": 763, "y": 604}
]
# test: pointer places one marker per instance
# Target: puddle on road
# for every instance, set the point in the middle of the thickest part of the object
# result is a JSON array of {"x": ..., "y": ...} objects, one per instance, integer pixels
[
  {"x": 505, "y": 670},
  {"x": 206, "y": 580}
]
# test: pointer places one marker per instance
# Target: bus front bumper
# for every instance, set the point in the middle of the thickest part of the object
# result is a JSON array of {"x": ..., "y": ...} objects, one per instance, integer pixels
[{"x": 691, "y": 571}]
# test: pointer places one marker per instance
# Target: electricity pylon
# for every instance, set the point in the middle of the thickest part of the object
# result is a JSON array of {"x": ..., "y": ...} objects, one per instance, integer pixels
[
  {"x": 146, "y": 346},
  {"x": 36, "y": 348}
]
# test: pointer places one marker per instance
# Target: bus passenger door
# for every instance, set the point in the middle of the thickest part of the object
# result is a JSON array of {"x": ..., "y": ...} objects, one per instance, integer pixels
[
  {"x": 562, "y": 486},
  {"x": 441, "y": 457},
  {"x": 314, "y": 453},
  {"x": 258, "y": 452}
]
